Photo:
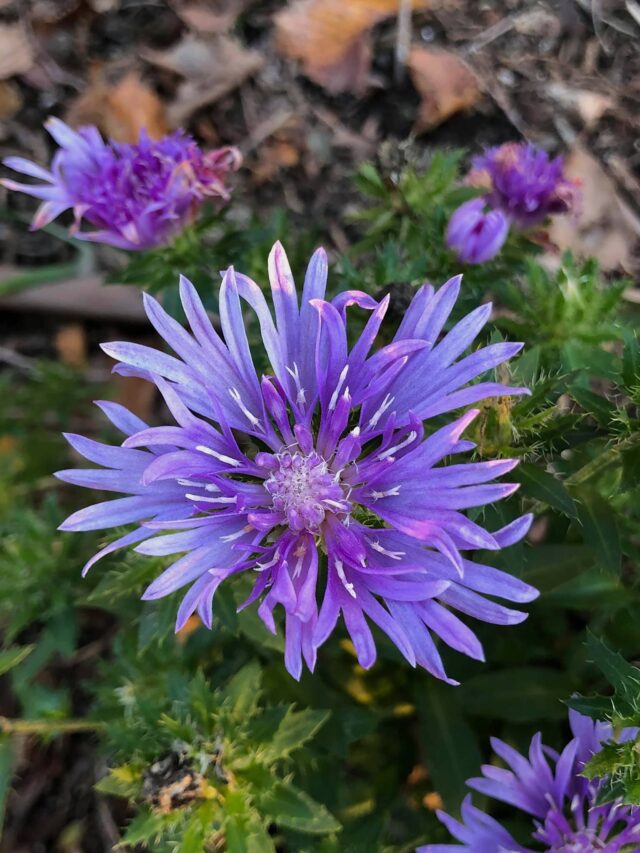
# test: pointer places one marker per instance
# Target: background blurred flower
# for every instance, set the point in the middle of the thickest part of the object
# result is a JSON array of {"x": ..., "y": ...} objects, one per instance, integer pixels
[
  {"x": 524, "y": 183},
  {"x": 476, "y": 232},
  {"x": 138, "y": 196},
  {"x": 339, "y": 467},
  {"x": 549, "y": 788}
]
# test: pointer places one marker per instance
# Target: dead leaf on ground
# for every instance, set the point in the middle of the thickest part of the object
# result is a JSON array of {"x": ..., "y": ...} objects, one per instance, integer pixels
[
  {"x": 16, "y": 53},
  {"x": 604, "y": 228},
  {"x": 445, "y": 84},
  {"x": 209, "y": 16},
  {"x": 274, "y": 155},
  {"x": 589, "y": 106},
  {"x": 211, "y": 68},
  {"x": 332, "y": 38},
  {"x": 71, "y": 344},
  {"x": 120, "y": 110},
  {"x": 10, "y": 100}
]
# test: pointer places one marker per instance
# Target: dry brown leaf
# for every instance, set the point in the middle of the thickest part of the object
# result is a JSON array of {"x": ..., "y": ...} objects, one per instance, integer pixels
[
  {"x": 331, "y": 38},
  {"x": 205, "y": 16},
  {"x": 211, "y": 68},
  {"x": 122, "y": 110},
  {"x": 445, "y": 84},
  {"x": 589, "y": 106},
  {"x": 10, "y": 100},
  {"x": 71, "y": 344},
  {"x": 16, "y": 53},
  {"x": 603, "y": 229},
  {"x": 275, "y": 155}
]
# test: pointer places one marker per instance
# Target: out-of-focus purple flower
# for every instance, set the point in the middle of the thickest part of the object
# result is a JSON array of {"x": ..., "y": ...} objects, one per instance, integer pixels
[
  {"x": 476, "y": 232},
  {"x": 324, "y": 461},
  {"x": 549, "y": 789},
  {"x": 137, "y": 196},
  {"x": 524, "y": 183}
]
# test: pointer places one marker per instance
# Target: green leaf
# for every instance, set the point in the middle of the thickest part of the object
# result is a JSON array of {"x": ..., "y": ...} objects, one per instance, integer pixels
[
  {"x": 243, "y": 690},
  {"x": 623, "y": 676},
  {"x": 289, "y": 806},
  {"x": 13, "y": 656},
  {"x": 631, "y": 359},
  {"x": 143, "y": 828},
  {"x": 518, "y": 694},
  {"x": 449, "y": 744},
  {"x": 596, "y": 707},
  {"x": 600, "y": 529},
  {"x": 296, "y": 729},
  {"x": 597, "y": 405},
  {"x": 542, "y": 486},
  {"x": 6, "y": 767}
]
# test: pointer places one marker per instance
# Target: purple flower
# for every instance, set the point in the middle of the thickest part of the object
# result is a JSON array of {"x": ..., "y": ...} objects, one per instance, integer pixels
[
  {"x": 318, "y": 480},
  {"x": 137, "y": 196},
  {"x": 524, "y": 183},
  {"x": 549, "y": 788},
  {"x": 477, "y": 233}
]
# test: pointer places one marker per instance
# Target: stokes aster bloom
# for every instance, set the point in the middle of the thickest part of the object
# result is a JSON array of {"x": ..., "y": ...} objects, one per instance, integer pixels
[
  {"x": 316, "y": 481},
  {"x": 548, "y": 787},
  {"x": 476, "y": 232},
  {"x": 524, "y": 183},
  {"x": 137, "y": 196}
]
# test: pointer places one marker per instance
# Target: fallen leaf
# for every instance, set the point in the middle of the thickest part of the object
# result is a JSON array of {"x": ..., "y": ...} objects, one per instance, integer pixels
[
  {"x": 445, "y": 84},
  {"x": 275, "y": 155},
  {"x": 332, "y": 38},
  {"x": 16, "y": 53},
  {"x": 210, "y": 16},
  {"x": 589, "y": 106},
  {"x": 603, "y": 229},
  {"x": 120, "y": 110},
  {"x": 10, "y": 100},
  {"x": 211, "y": 68},
  {"x": 71, "y": 344}
]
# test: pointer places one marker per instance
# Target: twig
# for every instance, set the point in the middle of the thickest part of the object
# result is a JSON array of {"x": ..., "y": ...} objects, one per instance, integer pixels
[
  {"x": 403, "y": 39},
  {"x": 492, "y": 33},
  {"x": 265, "y": 130},
  {"x": 29, "y": 727}
]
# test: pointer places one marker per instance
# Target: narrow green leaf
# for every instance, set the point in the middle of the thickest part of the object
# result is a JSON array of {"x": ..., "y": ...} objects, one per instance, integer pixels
[
  {"x": 6, "y": 767},
  {"x": 542, "y": 486},
  {"x": 143, "y": 828},
  {"x": 600, "y": 529},
  {"x": 623, "y": 676},
  {"x": 518, "y": 694},
  {"x": 449, "y": 744},
  {"x": 13, "y": 656},
  {"x": 243, "y": 690}
]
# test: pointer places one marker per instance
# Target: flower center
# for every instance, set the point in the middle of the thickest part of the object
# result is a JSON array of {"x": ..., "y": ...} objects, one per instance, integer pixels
[{"x": 302, "y": 487}]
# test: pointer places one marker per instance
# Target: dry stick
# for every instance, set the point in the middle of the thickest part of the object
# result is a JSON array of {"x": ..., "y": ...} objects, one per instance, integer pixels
[
  {"x": 403, "y": 39},
  {"x": 28, "y": 727}
]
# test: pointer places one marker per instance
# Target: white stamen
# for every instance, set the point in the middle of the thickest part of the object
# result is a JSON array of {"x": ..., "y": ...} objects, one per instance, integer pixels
[
  {"x": 200, "y": 499},
  {"x": 339, "y": 505},
  {"x": 388, "y": 494},
  {"x": 260, "y": 567},
  {"x": 209, "y": 487},
  {"x": 388, "y": 400},
  {"x": 355, "y": 432},
  {"x": 295, "y": 373},
  {"x": 411, "y": 437},
  {"x": 253, "y": 420},
  {"x": 394, "y": 555},
  {"x": 231, "y": 536},
  {"x": 334, "y": 397},
  {"x": 220, "y": 456},
  {"x": 348, "y": 586}
]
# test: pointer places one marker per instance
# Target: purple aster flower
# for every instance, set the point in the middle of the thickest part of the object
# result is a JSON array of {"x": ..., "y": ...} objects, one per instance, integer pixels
[
  {"x": 476, "y": 232},
  {"x": 549, "y": 788},
  {"x": 137, "y": 196},
  {"x": 318, "y": 481},
  {"x": 524, "y": 183}
]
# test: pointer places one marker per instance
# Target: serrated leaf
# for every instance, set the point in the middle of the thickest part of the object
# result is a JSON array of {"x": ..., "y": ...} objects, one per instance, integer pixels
[
  {"x": 596, "y": 707},
  {"x": 542, "y": 486},
  {"x": 631, "y": 359},
  {"x": 243, "y": 689},
  {"x": 13, "y": 656},
  {"x": 600, "y": 529},
  {"x": 597, "y": 405},
  {"x": 143, "y": 828},
  {"x": 296, "y": 729},
  {"x": 120, "y": 782},
  {"x": 623, "y": 676},
  {"x": 289, "y": 806}
]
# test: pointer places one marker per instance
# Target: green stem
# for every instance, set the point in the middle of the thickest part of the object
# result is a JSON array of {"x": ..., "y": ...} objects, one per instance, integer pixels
[
  {"x": 36, "y": 277},
  {"x": 605, "y": 460},
  {"x": 28, "y": 727}
]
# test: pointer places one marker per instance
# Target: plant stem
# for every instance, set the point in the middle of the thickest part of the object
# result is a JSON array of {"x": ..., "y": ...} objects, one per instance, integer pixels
[{"x": 27, "y": 727}]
